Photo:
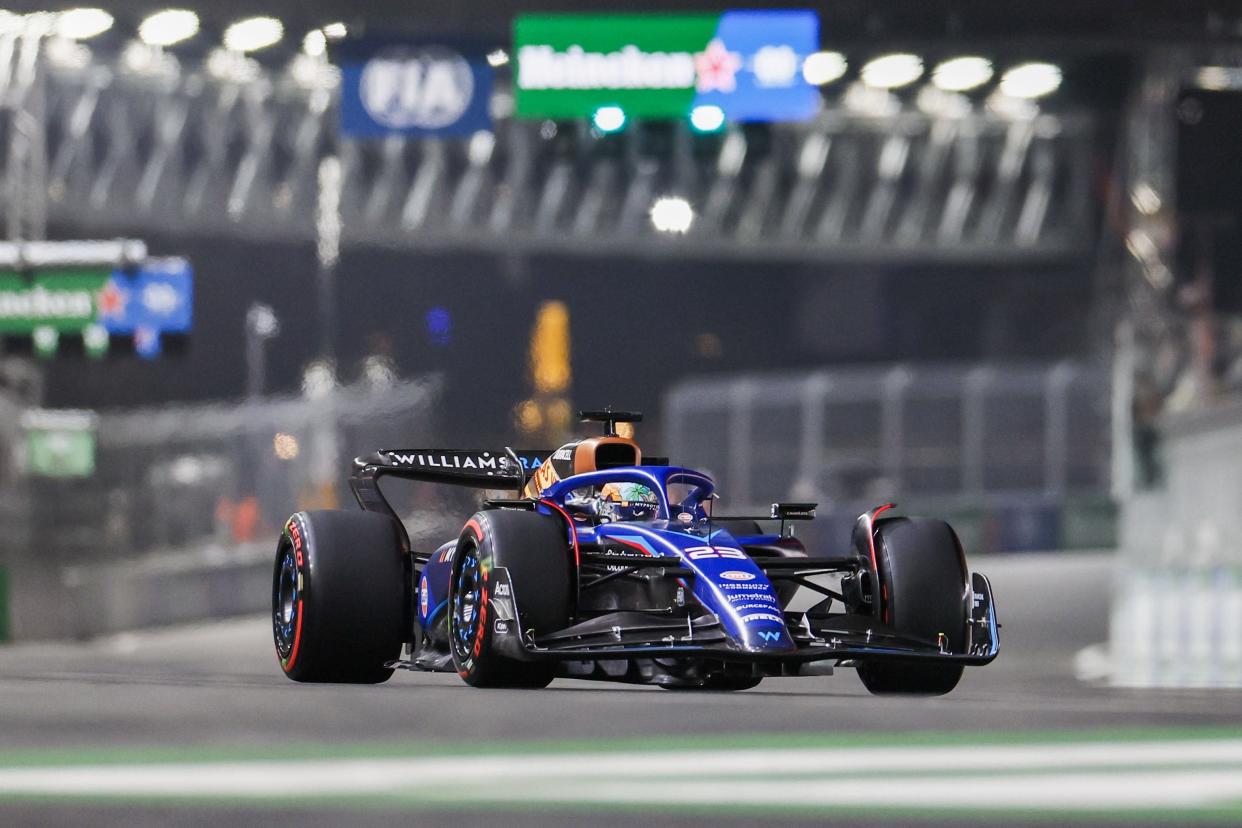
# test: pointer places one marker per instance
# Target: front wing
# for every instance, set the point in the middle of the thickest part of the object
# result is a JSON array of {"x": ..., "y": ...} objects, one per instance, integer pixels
[{"x": 857, "y": 638}]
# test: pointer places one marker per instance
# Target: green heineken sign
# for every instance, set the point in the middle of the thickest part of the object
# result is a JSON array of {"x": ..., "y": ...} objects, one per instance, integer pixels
[
  {"x": 61, "y": 300},
  {"x": 56, "y": 301},
  {"x": 748, "y": 64}
]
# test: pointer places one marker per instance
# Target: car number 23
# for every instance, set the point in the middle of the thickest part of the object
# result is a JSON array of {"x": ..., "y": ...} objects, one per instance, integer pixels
[{"x": 696, "y": 553}]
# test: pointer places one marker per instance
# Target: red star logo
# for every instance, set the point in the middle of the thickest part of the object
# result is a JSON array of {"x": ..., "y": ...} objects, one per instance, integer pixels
[
  {"x": 111, "y": 300},
  {"x": 716, "y": 68}
]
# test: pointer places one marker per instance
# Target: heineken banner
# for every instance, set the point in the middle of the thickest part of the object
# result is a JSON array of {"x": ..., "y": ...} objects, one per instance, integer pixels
[
  {"x": 97, "y": 303},
  {"x": 748, "y": 63}
]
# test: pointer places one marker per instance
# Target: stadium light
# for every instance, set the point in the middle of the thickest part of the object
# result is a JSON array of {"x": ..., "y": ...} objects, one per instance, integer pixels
[
  {"x": 608, "y": 118},
  {"x": 11, "y": 23},
  {"x": 962, "y": 73},
  {"x": 822, "y": 68},
  {"x": 68, "y": 54},
  {"x": 892, "y": 71},
  {"x": 707, "y": 118},
  {"x": 1008, "y": 106},
  {"x": 551, "y": 365},
  {"x": 869, "y": 101},
  {"x": 335, "y": 31},
  {"x": 1031, "y": 80},
  {"x": 1145, "y": 199},
  {"x": 164, "y": 28},
  {"x": 82, "y": 24},
  {"x": 315, "y": 43},
  {"x": 232, "y": 66},
  {"x": 497, "y": 57},
  {"x": 672, "y": 214},
  {"x": 253, "y": 33},
  {"x": 1218, "y": 78},
  {"x": 941, "y": 103},
  {"x": 285, "y": 446}
]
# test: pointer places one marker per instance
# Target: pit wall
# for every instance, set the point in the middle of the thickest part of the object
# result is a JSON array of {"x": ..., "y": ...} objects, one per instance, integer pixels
[{"x": 1177, "y": 614}]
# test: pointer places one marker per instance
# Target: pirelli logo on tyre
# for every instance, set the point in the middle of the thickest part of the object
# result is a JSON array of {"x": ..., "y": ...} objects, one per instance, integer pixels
[{"x": 294, "y": 531}]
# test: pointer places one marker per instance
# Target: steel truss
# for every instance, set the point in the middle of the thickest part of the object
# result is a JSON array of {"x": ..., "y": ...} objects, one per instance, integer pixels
[{"x": 178, "y": 150}]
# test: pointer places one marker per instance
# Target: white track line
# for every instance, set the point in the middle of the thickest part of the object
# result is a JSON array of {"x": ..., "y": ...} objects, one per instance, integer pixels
[
  {"x": 1077, "y": 791},
  {"x": 1071, "y": 775}
]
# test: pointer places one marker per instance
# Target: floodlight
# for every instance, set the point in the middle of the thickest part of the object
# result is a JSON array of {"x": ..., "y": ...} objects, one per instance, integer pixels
[
  {"x": 892, "y": 71},
  {"x": 1031, "y": 80},
  {"x": 253, "y": 33},
  {"x": 164, "y": 28},
  {"x": 962, "y": 73}
]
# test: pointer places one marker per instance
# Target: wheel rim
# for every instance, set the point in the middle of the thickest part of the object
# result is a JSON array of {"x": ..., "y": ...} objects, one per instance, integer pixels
[
  {"x": 285, "y": 604},
  {"x": 464, "y": 612}
]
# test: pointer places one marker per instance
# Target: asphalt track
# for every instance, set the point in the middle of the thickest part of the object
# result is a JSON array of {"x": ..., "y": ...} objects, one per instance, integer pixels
[{"x": 196, "y": 726}]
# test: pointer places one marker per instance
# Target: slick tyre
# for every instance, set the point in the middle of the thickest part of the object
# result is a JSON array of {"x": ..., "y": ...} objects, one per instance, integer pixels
[
  {"x": 924, "y": 593},
  {"x": 532, "y": 549},
  {"x": 340, "y": 595}
]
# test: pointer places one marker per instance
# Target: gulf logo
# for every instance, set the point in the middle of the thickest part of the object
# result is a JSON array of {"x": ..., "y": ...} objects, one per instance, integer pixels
[
  {"x": 737, "y": 575},
  {"x": 424, "y": 599}
]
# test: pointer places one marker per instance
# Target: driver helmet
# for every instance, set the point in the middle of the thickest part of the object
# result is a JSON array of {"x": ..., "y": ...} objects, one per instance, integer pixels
[{"x": 631, "y": 501}]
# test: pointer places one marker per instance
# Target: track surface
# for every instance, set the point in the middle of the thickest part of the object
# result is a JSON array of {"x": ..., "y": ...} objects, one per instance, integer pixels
[{"x": 215, "y": 692}]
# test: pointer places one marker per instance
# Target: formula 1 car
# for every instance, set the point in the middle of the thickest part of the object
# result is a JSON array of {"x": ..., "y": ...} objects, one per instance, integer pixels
[{"x": 610, "y": 565}]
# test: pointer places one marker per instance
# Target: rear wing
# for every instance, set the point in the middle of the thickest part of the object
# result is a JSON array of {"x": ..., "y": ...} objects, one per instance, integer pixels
[{"x": 477, "y": 468}]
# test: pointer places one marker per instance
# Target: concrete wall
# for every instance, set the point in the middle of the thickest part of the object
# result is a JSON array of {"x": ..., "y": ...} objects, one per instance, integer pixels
[
  {"x": 86, "y": 600},
  {"x": 1177, "y": 616}
]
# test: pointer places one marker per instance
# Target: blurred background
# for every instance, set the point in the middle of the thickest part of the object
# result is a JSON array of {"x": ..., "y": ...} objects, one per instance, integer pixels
[{"x": 983, "y": 259}]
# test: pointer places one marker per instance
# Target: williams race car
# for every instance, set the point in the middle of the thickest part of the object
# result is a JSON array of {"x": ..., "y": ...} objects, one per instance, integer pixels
[{"x": 605, "y": 564}]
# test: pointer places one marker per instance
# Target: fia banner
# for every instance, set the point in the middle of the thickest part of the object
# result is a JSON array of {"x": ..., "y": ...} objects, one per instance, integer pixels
[{"x": 413, "y": 87}]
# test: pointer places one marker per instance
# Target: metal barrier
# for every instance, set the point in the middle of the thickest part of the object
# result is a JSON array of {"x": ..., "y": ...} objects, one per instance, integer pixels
[
  {"x": 1030, "y": 441},
  {"x": 171, "y": 476},
  {"x": 181, "y": 515},
  {"x": 1177, "y": 613}
]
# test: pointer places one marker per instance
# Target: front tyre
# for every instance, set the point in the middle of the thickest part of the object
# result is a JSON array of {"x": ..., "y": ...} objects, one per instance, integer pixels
[
  {"x": 532, "y": 549},
  {"x": 924, "y": 595},
  {"x": 339, "y": 597}
]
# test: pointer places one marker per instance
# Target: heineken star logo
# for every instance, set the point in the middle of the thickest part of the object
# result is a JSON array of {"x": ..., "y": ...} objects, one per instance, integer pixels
[
  {"x": 716, "y": 68},
  {"x": 112, "y": 300}
]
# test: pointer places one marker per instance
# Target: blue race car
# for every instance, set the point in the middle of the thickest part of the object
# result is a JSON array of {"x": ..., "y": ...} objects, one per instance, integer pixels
[{"x": 609, "y": 565}]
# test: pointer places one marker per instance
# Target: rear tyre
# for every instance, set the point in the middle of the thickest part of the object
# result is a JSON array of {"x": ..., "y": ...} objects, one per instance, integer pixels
[
  {"x": 924, "y": 594},
  {"x": 340, "y": 594},
  {"x": 532, "y": 549}
]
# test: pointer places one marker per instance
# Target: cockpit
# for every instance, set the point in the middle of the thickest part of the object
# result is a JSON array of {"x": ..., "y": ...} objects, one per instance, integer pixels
[{"x": 637, "y": 494}]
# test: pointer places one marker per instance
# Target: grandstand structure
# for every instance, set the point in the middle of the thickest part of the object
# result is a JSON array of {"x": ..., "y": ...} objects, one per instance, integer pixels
[{"x": 229, "y": 146}]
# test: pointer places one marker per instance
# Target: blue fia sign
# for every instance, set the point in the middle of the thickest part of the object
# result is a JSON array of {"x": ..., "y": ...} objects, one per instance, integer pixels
[{"x": 414, "y": 88}]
